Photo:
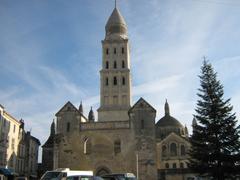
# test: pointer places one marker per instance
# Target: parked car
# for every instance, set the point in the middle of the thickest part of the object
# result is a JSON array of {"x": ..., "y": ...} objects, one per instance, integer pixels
[
  {"x": 21, "y": 178},
  {"x": 81, "y": 177},
  {"x": 124, "y": 176}
]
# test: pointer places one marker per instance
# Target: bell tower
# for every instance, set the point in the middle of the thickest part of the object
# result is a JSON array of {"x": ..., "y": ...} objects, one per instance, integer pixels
[{"x": 115, "y": 91}]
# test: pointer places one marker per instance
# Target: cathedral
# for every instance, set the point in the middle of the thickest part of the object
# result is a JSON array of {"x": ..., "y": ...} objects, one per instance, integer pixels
[{"x": 125, "y": 137}]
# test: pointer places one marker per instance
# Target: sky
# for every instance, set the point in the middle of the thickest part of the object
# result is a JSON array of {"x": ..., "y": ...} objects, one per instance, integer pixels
[{"x": 50, "y": 53}]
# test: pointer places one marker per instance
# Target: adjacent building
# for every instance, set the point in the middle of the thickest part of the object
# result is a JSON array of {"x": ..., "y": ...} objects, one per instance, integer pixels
[{"x": 18, "y": 149}]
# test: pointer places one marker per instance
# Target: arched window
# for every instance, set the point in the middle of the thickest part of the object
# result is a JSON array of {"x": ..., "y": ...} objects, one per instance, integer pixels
[
  {"x": 183, "y": 150},
  {"x": 164, "y": 151},
  {"x": 142, "y": 124},
  {"x": 115, "y": 50},
  {"x": 87, "y": 146},
  {"x": 174, "y": 166},
  {"x": 123, "y": 64},
  {"x": 167, "y": 165},
  {"x": 123, "y": 80},
  {"x": 107, "y": 64},
  {"x": 106, "y": 81},
  {"x": 122, "y": 50},
  {"x": 181, "y": 165},
  {"x": 107, "y": 51},
  {"x": 115, "y": 65},
  {"x": 173, "y": 149},
  {"x": 114, "y": 80},
  {"x": 117, "y": 146},
  {"x": 68, "y": 126}
]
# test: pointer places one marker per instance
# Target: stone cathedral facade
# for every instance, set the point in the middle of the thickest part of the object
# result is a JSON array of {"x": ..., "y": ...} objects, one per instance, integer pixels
[{"x": 125, "y": 138}]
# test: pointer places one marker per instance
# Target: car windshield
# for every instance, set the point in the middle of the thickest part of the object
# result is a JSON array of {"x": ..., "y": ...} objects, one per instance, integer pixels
[{"x": 51, "y": 176}]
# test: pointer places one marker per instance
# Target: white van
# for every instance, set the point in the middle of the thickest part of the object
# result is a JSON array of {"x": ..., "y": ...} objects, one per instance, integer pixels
[{"x": 62, "y": 174}]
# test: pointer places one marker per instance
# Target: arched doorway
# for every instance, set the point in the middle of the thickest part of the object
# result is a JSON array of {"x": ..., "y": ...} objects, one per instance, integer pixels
[{"x": 102, "y": 171}]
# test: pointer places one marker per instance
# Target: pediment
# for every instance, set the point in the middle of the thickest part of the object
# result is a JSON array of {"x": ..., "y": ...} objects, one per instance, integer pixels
[
  {"x": 142, "y": 104},
  {"x": 68, "y": 107},
  {"x": 174, "y": 137}
]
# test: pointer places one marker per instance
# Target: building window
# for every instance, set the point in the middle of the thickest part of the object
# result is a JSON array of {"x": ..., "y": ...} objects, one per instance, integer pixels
[
  {"x": 124, "y": 99},
  {"x": 181, "y": 165},
  {"x": 123, "y": 64},
  {"x": 174, "y": 166},
  {"x": 107, "y": 65},
  {"x": 115, "y": 50},
  {"x": 164, "y": 151},
  {"x": 115, "y": 100},
  {"x": 122, "y": 50},
  {"x": 167, "y": 165},
  {"x": 115, "y": 65},
  {"x": 13, "y": 143},
  {"x": 107, "y": 51},
  {"x": 68, "y": 126},
  {"x": 117, "y": 147},
  {"x": 106, "y": 81},
  {"x": 14, "y": 128},
  {"x": 142, "y": 124},
  {"x": 183, "y": 150},
  {"x": 114, "y": 80},
  {"x": 87, "y": 146},
  {"x": 123, "y": 80},
  {"x": 173, "y": 149}
]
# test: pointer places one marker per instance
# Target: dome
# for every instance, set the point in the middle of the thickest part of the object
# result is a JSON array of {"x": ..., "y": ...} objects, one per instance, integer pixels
[
  {"x": 168, "y": 120},
  {"x": 168, "y": 124},
  {"x": 116, "y": 25}
]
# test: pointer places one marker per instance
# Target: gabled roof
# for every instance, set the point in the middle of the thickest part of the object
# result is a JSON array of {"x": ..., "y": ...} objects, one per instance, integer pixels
[
  {"x": 141, "y": 103},
  {"x": 68, "y": 104},
  {"x": 175, "y": 137}
]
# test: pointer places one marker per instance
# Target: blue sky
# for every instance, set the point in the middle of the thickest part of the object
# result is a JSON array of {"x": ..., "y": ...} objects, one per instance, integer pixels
[{"x": 50, "y": 53}]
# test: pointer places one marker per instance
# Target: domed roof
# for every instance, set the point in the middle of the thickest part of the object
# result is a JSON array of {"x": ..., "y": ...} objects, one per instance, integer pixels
[
  {"x": 168, "y": 120},
  {"x": 116, "y": 24}
]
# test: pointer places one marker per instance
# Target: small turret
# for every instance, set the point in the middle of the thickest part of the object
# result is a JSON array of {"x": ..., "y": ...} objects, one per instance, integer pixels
[
  {"x": 186, "y": 130},
  {"x": 91, "y": 117},
  {"x": 80, "y": 108}
]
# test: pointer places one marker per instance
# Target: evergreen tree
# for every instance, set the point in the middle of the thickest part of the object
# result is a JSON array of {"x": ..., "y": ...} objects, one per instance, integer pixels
[{"x": 215, "y": 139}]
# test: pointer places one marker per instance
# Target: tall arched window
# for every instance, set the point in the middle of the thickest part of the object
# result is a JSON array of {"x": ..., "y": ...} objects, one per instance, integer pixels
[
  {"x": 142, "y": 124},
  {"x": 122, "y": 50},
  {"x": 107, "y": 51},
  {"x": 164, "y": 151},
  {"x": 167, "y": 165},
  {"x": 181, "y": 165},
  {"x": 68, "y": 126},
  {"x": 183, "y": 150},
  {"x": 117, "y": 146},
  {"x": 87, "y": 146},
  {"x": 123, "y": 80},
  {"x": 115, "y": 50},
  {"x": 106, "y": 81},
  {"x": 174, "y": 165},
  {"x": 115, "y": 65},
  {"x": 114, "y": 80},
  {"x": 123, "y": 64},
  {"x": 173, "y": 149},
  {"x": 107, "y": 64}
]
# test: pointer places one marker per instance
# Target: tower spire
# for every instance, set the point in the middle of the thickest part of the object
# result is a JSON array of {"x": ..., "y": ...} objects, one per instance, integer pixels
[{"x": 115, "y": 3}]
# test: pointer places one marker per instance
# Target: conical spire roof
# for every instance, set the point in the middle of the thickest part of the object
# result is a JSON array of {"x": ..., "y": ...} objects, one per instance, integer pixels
[{"x": 116, "y": 24}]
